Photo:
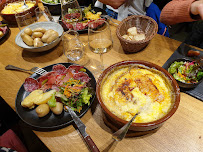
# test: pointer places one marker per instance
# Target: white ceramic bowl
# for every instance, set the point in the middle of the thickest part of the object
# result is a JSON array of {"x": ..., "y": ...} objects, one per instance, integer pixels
[{"x": 46, "y": 25}]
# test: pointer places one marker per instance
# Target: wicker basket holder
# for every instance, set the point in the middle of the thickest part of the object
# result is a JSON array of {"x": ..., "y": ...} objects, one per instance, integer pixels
[{"x": 144, "y": 24}]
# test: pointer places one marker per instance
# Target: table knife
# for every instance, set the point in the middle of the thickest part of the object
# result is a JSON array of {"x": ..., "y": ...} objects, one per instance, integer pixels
[{"x": 82, "y": 130}]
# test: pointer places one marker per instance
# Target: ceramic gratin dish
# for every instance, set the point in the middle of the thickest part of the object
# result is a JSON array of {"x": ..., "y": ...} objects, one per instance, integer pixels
[{"x": 118, "y": 122}]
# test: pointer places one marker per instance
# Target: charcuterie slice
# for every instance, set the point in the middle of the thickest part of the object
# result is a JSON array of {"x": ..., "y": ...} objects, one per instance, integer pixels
[{"x": 31, "y": 84}]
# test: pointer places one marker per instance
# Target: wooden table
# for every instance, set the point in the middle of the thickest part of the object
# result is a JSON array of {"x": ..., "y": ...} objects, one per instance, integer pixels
[{"x": 182, "y": 132}]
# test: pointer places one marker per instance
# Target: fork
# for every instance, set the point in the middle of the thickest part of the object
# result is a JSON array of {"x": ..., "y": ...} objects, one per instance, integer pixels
[
  {"x": 108, "y": 17},
  {"x": 24, "y": 5},
  {"x": 120, "y": 134},
  {"x": 36, "y": 70}
]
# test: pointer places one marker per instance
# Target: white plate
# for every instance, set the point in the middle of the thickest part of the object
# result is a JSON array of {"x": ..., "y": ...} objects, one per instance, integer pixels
[{"x": 46, "y": 25}]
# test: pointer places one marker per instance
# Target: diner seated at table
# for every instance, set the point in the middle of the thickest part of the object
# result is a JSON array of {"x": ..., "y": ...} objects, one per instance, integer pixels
[
  {"x": 121, "y": 9},
  {"x": 10, "y": 142},
  {"x": 179, "y": 11}
]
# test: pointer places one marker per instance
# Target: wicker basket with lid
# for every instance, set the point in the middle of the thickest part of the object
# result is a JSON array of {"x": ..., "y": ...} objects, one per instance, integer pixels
[{"x": 143, "y": 24}]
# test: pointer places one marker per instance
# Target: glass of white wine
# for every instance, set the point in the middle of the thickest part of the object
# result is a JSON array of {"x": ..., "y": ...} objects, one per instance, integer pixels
[
  {"x": 99, "y": 40},
  {"x": 71, "y": 13}
]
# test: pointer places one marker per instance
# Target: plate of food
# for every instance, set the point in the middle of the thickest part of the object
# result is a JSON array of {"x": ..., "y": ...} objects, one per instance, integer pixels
[
  {"x": 41, "y": 101},
  {"x": 4, "y": 30},
  {"x": 187, "y": 73},
  {"x": 89, "y": 14}
]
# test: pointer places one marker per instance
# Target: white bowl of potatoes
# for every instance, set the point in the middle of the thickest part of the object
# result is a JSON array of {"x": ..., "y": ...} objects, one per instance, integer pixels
[{"x": 40, "y": 36}]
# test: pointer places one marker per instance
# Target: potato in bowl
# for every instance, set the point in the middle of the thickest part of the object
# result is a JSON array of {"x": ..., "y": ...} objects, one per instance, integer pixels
[
  {"x": 19, "y": 40},
  {"x": 129, "y": 87}
]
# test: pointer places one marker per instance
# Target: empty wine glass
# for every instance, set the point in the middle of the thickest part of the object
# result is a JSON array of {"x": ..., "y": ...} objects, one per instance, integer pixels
[
  {"x": 99, "y": 40},
  {"x": 72, "y": 47},
  {"x": 71, "y": 13},
  {"x": 43, "y": 14},
  {"x": 24, "y": 19}
]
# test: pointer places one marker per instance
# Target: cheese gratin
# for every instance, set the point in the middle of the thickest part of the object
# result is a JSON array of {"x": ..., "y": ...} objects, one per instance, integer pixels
[
  {"x": 16, "y": 7},
  {"x": 131, "y": 89}
]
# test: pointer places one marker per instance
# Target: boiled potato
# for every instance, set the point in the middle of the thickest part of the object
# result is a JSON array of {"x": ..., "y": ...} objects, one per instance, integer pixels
[
  {"x": 132, "y": 31},
  {"x": 29, "y": 101},
  {"x": 57, "y": 109},
  {"x": 39, "y": 29},
  {"x": 28, "y": 31},
  {"x": 45, "y": 98},
  {"x": 27, "y": 39},
  {"x": 1, "y": 34},
  {"x": 42, "y": 110},
  {"x": 47, "y": 34},
  {"x": 52, "y": 37},
  {"x": 37, "y": 34},
  {"x": 38, "y": 42}
]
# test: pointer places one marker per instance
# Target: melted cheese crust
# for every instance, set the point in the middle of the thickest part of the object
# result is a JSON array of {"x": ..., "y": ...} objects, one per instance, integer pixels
[
  {"x": 127, "y": 90},
  {"x": 16, "y": 7}
]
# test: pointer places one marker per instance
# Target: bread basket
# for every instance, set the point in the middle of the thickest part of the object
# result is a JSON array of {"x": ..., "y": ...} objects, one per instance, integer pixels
[{"x": 144, "y": 24}]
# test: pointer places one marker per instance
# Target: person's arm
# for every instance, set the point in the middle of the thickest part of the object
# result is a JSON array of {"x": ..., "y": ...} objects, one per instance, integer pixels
[
  {"x": 178, "y": 11},
  {"x": 197, "y": 8},
  {"x": 113, "y": 3}
]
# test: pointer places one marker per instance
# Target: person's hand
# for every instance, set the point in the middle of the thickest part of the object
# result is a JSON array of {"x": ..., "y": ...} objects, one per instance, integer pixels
[
  {"x": 113, "y": 3},
  {"x": 197, "y": 8}
]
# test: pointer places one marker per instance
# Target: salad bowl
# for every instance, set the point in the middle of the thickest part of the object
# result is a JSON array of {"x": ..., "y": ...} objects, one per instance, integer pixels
[
  {"x": 193, "y": 67},
  {"x": 54, "y": 6}
]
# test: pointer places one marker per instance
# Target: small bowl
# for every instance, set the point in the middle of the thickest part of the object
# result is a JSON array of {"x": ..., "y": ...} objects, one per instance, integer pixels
[
  {"x": 55, "y": 9},
  {"x": 142, "y": 23},
  {"x": 46, "y": 25},
  {"x": 118, "y": 122},
  {"x": 10, "y": 18},
  {"x": 182, "y": 84}
]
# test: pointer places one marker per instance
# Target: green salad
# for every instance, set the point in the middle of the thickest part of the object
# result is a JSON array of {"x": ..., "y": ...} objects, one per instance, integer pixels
[{"x": 187, "y": 72}]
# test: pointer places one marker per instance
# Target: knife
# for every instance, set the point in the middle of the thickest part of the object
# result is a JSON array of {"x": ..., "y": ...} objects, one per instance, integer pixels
[{"x": 82, "y": 129}]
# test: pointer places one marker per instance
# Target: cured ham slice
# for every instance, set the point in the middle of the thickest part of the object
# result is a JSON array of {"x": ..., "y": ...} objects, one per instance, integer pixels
[
  {"x": 56, "y": 78},
  {"x": 59, "y": 68},
  {"x": 82, "y": 76},
  {"x": 74, "y": 68},
  {"x": 31, "y": 84}
]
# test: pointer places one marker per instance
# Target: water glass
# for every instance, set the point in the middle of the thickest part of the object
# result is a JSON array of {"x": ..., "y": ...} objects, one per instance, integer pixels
[
  {"x": 43, "y": 14},
  {"x": 24, "y": 19},
  {"x": 72, "y": 47}
]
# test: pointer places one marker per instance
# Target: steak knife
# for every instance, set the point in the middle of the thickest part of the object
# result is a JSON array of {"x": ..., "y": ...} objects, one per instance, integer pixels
[{"x": 82, "y": 128}]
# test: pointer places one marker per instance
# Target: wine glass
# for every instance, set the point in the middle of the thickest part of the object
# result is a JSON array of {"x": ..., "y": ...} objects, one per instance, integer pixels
[
  {"x": 43, "y": 14},
  {"x": 99, "y": 40},
  {"x": 24, "y": 19},
  {"x": 72, "y": 47},
  {"x": 71, "y": 13}
]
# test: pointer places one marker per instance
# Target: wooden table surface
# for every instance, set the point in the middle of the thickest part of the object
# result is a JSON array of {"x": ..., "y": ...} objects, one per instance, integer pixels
[{"x": 182, "y": 132}]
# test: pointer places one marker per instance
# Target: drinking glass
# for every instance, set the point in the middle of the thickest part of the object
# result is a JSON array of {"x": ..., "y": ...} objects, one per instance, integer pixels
[
  {"x": 24, "y": 19},
  {"x": 99, "y": 40},
  {"x": 72, "y": 47},
  {"x": 43, "y": 14},
  {"x": 71, "y": 12}
]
